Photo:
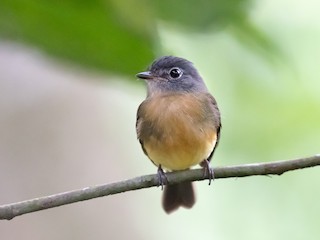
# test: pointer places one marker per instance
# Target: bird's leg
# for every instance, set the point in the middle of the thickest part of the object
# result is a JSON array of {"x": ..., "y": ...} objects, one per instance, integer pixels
[
  {"x": 161, "y": 177},
  {"x": 207, "y": 170}
]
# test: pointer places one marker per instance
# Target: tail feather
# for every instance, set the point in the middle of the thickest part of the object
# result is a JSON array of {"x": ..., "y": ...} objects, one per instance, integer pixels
[{"x": 177, "y": 195}]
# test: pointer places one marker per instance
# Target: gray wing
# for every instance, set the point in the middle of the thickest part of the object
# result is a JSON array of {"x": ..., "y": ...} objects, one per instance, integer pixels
[
  {"x": 217, "y": 120},
  {"x": 139, "y": 121}
]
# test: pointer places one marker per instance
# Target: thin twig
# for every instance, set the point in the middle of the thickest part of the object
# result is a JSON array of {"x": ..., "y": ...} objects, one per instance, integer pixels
[{"x": 12, "y": 210}]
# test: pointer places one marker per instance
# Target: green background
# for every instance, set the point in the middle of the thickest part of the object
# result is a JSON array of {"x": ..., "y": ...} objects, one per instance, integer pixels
[{"x": 260, "y": 59}]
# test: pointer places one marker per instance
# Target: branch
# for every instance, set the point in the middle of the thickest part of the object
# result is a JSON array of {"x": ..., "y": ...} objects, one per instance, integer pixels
[{"x": 12, "y": 210}]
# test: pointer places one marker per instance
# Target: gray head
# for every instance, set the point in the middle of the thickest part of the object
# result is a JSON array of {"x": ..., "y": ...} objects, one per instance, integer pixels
[{"x": 172, "y": 74}]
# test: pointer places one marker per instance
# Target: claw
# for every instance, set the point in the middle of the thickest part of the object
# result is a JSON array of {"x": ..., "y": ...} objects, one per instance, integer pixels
[
  {"x": 162, "y": 177},
  {"x": 207, "y": 170}
]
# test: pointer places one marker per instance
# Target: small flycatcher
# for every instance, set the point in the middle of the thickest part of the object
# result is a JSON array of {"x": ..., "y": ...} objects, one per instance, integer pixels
[{"x": 178, "y": 124}]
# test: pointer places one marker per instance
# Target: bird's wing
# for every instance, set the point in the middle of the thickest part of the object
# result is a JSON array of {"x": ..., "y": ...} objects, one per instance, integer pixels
[{"x": 217, "y": 120}]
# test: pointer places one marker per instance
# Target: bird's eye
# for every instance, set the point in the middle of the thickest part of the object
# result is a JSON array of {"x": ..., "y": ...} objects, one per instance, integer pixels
[{"x": 175, "y": 72}]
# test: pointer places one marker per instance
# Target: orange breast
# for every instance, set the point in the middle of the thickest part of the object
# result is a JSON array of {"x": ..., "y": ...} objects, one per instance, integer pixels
[{"x": 176, "y": 130}]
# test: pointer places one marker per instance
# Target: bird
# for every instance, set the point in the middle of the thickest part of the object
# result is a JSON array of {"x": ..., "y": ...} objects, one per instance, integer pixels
[{"x": 178, "y": 125}]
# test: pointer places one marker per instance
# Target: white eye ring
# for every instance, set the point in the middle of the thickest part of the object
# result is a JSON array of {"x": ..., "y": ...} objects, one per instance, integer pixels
[{"x": 175, "y": 72}]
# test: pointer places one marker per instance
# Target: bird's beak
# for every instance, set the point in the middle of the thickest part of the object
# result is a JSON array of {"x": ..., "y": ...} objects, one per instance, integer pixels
[{"x": 145, "y": 75}]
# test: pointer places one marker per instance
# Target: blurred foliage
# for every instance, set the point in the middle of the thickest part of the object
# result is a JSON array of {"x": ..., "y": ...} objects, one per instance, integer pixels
[
  {"x": 202, "y": 14},
  {"x": 90, "y": 33},
  {"x": 117, "y": 36},
  {"x": 206, "y": 16}
]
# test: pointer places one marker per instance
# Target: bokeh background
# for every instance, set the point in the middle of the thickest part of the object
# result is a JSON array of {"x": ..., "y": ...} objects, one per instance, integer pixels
[{"x": 68, "y": 99}]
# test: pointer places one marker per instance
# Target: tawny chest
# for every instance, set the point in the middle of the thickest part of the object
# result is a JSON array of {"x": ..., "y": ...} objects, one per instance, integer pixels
[{"x": 176, "y": 132}]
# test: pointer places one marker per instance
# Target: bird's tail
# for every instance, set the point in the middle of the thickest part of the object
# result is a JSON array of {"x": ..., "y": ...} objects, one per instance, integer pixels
[{"x": 177, "y": 195}]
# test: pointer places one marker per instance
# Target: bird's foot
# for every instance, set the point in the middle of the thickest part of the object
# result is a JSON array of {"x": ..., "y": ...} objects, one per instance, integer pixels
[
  {"x": 161, "y": 177},
  {"x": 207, "y": 170}
]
